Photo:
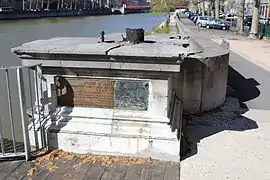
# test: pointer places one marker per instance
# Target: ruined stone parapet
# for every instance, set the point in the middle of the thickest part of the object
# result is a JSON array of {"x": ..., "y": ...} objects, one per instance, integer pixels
[{"x": 204, "y": 74}]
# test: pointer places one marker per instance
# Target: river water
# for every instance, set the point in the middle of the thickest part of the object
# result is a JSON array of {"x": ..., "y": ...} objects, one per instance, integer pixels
[{"x": 15, "y": 33}]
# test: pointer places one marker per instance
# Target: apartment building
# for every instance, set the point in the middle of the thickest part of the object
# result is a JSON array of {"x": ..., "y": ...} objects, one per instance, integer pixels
[{"x": 265, "y": 8}]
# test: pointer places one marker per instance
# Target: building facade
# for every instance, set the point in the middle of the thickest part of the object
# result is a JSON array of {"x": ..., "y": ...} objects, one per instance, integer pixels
[{"x": 265, "y": 8}]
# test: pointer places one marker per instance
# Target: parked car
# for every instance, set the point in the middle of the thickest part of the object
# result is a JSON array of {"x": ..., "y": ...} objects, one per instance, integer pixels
[
  {"x": 187, "y": 13},
  {"x": 248, "y": 21},
  {"x": 195, "y": 19},
  {"x": 218, "y": 24},
  {"x": 230, "y": 17},
  {"x": 221, "y": 15},
  {"x": 203, "y": 20},
  {"x": 193, "y": 16}
]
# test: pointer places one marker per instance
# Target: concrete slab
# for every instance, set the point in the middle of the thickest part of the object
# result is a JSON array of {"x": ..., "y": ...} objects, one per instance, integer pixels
[{"x": 153, "y": 46}]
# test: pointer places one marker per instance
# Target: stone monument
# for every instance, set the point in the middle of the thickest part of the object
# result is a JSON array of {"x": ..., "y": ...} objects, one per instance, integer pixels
[{"x": 125, "y": 95}]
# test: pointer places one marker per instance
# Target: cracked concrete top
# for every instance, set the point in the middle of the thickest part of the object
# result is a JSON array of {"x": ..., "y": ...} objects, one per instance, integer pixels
[{"x": 154, "y": 46}]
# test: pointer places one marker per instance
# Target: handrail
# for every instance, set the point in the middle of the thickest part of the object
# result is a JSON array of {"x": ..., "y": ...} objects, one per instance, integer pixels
[{"x": 35, "y": 95}]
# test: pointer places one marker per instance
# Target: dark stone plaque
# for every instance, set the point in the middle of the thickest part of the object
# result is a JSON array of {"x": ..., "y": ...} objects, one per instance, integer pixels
[
  {"x": 85, "y": 92},
  {"x": 131, "y": 94}
]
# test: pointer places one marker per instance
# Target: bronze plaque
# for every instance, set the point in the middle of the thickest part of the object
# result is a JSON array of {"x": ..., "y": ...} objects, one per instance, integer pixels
[{"x": 85, "y": 92}]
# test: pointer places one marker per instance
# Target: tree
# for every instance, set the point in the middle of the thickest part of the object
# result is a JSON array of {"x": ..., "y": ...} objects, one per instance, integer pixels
[
  {"x": 217, "y": 8},
  {"x": 240, "y": 14},
  {"x": 203, "y": 8},
  {"x": 255, "y": 19}
]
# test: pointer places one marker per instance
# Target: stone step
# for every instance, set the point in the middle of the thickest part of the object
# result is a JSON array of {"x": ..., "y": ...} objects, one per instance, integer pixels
[
  {"x": 112, "y": 127},
  {"x": 110, "y": 114},
  {"x": 120, "y": 146},
  {"x": 115, "y": 137}
]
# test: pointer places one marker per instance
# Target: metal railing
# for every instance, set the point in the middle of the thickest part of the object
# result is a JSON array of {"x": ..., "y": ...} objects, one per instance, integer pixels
[
  {"x": 264, "y": 30},
  {"x": 30, "y": 95},
  {"x": 176, "y": 115}
]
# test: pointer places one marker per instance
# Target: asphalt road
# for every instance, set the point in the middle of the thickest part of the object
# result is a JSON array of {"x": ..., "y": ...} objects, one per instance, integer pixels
[{"x": 251, "y": 82}]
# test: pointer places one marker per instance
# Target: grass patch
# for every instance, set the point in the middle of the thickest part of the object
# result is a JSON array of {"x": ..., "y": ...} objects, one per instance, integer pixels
[
  {"x": 165, "y": 29},
  {"x": 162, "y": 9},
  {"x": 147, "y": 33}
]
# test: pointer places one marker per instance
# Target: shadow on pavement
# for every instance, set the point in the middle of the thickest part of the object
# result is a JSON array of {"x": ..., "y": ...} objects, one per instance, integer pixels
[
  {"x": 227, "y": 117},
  {"x": 243, "y": 89}
]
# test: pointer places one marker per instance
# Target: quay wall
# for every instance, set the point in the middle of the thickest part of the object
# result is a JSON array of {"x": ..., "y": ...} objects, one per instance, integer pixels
[
  {"x": 48, "y": 14},
  {"x": 70, "y": 13}
]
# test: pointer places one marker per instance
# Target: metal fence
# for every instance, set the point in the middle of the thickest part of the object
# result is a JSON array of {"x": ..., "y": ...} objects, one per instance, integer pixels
[
  {"x": 27, "y": 111},
  {"x": 176, "y": 115},
  {"x": 264, "y": 30}
]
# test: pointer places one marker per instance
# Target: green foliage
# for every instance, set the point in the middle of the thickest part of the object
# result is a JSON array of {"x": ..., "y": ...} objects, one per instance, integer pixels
[{"x": 165, "y": 29}]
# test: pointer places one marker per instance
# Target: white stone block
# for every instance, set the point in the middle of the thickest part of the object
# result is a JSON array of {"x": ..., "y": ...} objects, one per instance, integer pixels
[
  {"x": 158, "y": 107},
  {"x": 162, "y": 130},
  {"x": 86, "y": 64},
  {"x": 157, "y": 149},
  {"x": 130, "y": 129},
  {"x": 159, "y": 87},
  {"x": 83, "y": 128},
  {"x": 86, "y": 112}
]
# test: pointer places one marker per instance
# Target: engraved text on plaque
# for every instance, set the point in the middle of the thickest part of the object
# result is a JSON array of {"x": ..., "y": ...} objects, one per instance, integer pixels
[{"x": 85, "y": 92}]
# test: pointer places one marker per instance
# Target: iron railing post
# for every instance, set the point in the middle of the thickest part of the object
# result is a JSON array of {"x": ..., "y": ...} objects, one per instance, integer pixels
[
  {"x": 38, "y": 104},
  {"x": 43, "y": 139},
  {"x": 10, "y": 111},
  {"x": 32, "y": 111},
  {"x": 23, "y": 113}
]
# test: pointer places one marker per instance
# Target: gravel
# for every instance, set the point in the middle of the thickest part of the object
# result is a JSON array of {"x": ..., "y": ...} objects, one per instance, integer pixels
[{"x": 228, "y": 117}]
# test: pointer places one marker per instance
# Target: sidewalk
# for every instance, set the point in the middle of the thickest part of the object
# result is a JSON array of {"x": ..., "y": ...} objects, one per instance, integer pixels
[
  {"x": 254, "y": 50},
  {"x": 239, "y": 151}
]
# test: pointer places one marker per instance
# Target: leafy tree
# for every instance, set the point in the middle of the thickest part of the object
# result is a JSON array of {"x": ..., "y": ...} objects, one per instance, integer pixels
[
  {"x": 217, "y": 8},
  {"x": 255, "y": 19},
  {"x": 240, "y": 14}
]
